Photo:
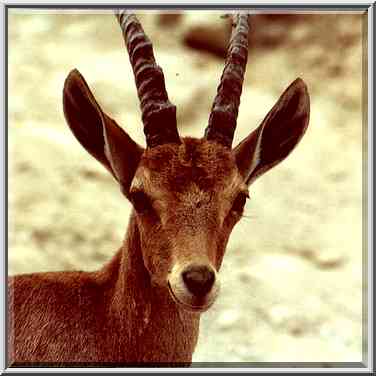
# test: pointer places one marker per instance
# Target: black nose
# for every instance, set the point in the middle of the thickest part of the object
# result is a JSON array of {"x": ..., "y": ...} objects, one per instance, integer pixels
[{"x": 199, "y": 279}]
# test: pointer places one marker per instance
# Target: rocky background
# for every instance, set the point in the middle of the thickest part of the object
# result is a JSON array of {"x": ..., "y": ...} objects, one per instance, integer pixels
[{"x": 292, "y": 275}]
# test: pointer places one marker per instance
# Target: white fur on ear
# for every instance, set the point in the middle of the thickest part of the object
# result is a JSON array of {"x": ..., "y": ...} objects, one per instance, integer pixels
[{"x": 256, "y": 158}]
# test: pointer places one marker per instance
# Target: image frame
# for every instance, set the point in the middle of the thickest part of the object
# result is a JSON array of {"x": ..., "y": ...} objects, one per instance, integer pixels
[{"x": 368, "y": 203}]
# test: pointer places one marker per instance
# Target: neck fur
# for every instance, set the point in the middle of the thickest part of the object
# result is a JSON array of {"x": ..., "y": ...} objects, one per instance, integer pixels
[{"x": 145, "y": 312}]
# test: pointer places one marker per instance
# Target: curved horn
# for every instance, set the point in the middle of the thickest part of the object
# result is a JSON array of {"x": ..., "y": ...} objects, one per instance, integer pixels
[
  {"x": 224, "y": 112},
  {"x": 158, "y": 113}
]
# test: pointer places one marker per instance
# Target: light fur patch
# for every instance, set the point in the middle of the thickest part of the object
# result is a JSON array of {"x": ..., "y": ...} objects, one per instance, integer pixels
[{"x": 256, "y": 159}]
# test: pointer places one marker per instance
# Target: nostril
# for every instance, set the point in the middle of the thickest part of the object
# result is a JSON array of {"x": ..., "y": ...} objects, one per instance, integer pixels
[{"x": 199, "y": 279}]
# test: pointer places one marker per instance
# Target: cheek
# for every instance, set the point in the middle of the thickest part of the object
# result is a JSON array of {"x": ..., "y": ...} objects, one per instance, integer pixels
[
  {"x": 223, "y": 237},
  {"x": 155, "y": 250}
]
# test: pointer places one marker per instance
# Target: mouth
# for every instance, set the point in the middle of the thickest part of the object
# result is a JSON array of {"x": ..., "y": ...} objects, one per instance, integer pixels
[{"x": 190, "y": 307}]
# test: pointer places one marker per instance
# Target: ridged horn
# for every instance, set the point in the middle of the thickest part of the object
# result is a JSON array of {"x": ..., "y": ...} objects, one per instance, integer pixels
[
  {"x": 224, "y": 112},
  {"x": 158, "y": 113}
]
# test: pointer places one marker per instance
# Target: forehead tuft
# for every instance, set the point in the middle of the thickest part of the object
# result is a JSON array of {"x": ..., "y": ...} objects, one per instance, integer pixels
[{"x": 207, "y": 164}]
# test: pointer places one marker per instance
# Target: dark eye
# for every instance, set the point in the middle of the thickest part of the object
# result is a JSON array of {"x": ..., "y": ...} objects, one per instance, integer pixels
[
  {"x": 238, "y": 204},
  {"x": 141, "y": 202}
]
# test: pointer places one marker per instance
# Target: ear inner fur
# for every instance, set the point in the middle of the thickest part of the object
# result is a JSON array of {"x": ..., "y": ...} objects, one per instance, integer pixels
[
  {"x": 97, "y": 132},
  {"x": 123, "y": 153},
  {"x": 84, "y": 116}
]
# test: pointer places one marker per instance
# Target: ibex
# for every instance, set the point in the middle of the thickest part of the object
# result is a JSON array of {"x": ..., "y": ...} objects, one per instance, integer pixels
[{"x": 144, "y": 306}]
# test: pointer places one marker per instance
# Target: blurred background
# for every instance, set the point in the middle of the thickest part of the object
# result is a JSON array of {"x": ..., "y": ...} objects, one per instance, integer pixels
[{"x": 292, "y": 274}]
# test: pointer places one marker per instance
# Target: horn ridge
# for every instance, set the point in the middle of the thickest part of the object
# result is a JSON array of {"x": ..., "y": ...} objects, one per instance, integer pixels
[
  {"x": 224, "y": 112},
  {"x": 158, "y": 113}
]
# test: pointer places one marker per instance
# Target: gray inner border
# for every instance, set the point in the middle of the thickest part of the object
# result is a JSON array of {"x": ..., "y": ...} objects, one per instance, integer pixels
[{"x": 368, "y": 142}]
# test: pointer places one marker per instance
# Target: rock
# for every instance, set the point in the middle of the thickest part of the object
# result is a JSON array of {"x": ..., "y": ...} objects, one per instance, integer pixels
[
  {"x": 271, "y": 35},
  {"x": 227, "y": 319},
  {"x": 279, "y": 314},
  {"x": 169, "y": 19},
  {"x": 210, "y": 34},
  {"x": 329, "y": 259}
]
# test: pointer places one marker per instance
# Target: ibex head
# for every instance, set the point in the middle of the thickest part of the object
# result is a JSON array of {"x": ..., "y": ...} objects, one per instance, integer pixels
[{"x": 187, "y": 193}]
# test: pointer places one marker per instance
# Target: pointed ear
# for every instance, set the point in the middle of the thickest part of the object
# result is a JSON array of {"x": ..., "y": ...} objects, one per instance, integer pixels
[
  {"x": 278, "y": 134},
  {"x": 97, "y": 132}
]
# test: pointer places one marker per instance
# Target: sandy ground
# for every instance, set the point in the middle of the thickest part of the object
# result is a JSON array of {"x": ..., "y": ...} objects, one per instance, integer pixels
[{"x": 292, "y": 275}]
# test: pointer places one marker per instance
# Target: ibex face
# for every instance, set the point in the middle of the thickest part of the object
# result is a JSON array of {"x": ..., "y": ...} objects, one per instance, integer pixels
[
  {"x": 187, "y": 193},
  {"x": 187, "y": 197}
]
